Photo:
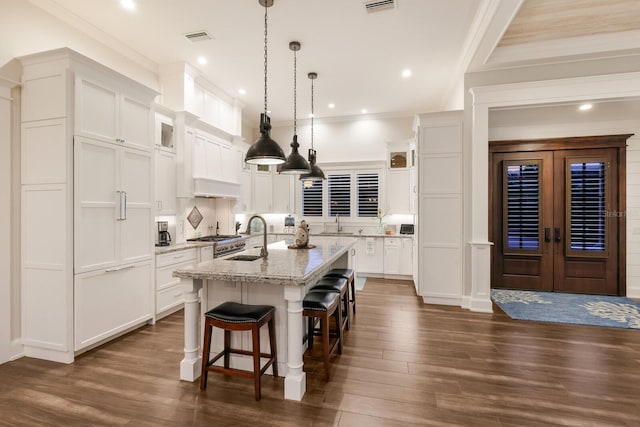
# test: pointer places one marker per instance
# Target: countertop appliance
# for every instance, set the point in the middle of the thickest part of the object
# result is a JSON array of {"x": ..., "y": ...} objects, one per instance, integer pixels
[
  {"x": 164, "y": 238},
  {"x": 406, "y": 228},
  {"x": 222, "y": 244}
]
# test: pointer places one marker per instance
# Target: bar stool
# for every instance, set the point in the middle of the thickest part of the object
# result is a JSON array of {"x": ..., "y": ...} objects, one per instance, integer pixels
[
  {"x": 233, "y": 316},
  {"x": 323, "y": 304},
  {"x": 348, "y": 274},
  {"x": 340, "y": 285}
]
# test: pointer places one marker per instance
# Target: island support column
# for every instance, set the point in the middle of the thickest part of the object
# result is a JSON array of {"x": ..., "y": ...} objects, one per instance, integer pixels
[
  {"x": 295, "y": 383},
  {"x": 191, "y": 365}
]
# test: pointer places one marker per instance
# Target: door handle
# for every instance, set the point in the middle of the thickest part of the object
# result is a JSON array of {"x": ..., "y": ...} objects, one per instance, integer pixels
[
  {"x": 556, "y": 232},
  {"x": 547, "y": 234},
  {"x": 124, "y": 206}
]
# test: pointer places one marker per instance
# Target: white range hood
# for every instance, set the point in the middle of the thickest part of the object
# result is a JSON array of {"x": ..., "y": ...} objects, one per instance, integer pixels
[{"x": 206, "y": 187}]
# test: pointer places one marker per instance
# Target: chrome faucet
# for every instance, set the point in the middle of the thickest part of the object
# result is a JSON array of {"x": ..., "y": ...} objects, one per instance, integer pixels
[
  {"x": 263, "y": 251},
  {"x": 338, "y": 222}
]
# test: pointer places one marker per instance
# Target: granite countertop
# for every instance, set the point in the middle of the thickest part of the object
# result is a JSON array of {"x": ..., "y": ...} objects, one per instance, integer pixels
[
  {"x": 180, "y": 247},
  {"x": 283, "y": 266}
]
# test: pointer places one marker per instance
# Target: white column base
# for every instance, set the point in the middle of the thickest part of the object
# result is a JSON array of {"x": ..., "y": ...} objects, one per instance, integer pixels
[
  {"x": 191, "y": 365},
  {"x": 480, "y": 300},
  {"x": 295, "y": 386},
  {"x": 295, "y": 383}
]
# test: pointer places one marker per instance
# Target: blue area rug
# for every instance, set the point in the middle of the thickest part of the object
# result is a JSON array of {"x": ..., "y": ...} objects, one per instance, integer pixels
[
  {"x": 594, "y": 310},
  {"x": 360, "y": 281}
]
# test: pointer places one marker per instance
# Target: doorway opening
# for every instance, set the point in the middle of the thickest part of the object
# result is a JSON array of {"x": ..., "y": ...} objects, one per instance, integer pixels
[{"x": 557, "y": 214}]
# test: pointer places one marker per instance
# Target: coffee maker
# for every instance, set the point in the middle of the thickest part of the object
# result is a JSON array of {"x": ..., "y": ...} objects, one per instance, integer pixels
[{"x": 164, "y": 238}]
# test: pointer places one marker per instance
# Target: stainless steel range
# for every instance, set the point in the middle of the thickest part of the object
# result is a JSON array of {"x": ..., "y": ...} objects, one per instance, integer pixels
[{"x": 222, "y": 244}]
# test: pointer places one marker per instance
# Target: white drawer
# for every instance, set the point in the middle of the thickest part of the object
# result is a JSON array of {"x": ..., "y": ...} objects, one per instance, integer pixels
[
  {"x": 168, "y": 298},
  {"x": 177, "y": 257},
  {"x": 164, "y": 275}
]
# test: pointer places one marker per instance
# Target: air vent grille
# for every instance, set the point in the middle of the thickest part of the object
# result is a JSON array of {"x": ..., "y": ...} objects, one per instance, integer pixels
[
  {"x": 378, "y": 5},
  {"x": 198, "y": 36}
]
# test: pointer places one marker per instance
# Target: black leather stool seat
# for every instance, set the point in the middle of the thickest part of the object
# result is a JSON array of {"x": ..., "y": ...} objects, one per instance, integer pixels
[
  {"x": 340, "y": 272},
  {"x": 340, "y": 285},
  {"x": 346, "y": 273},
  {"x": 320, "y": 300},
  {"x": 234, "y": 312}
]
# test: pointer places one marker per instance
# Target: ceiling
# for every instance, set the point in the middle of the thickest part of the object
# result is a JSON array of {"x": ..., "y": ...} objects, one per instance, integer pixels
[{"x": 359, "y": 56}]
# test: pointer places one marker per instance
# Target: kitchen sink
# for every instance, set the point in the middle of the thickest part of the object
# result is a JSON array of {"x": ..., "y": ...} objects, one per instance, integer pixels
[{"x": 244, "y": 258}]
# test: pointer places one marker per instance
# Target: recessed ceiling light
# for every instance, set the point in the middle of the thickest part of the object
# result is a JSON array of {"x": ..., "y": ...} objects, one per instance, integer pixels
[
  {"x": 585, "y": 107},
  {"x": 332, "y": 105},
  {"x": 202, "y": 60},
  {"x": 242, "y": 91},
  {"x": 128, "y": 4},
  {"x": 363, "y": 111},
  {"x": 406, "y": 73}
]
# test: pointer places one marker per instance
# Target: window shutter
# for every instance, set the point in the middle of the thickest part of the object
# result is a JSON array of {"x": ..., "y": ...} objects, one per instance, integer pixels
[
  {"x": 339, "y": 195},
  {"x": 522, "y": 182},
  {"x": 588, "y": 208},
  {"x": 312, "y": 198},
  {"x": 367, "y": 190}
]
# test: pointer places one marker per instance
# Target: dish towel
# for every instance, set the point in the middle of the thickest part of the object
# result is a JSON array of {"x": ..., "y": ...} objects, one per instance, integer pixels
[{"x": 369, "y": 248}]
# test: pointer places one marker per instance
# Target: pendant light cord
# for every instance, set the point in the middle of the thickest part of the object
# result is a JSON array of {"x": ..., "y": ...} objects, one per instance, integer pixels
[
  {"x": 265, "y": 59},
  {"x": 295, "y": 92},
  {"x": 312, "y": 114}
]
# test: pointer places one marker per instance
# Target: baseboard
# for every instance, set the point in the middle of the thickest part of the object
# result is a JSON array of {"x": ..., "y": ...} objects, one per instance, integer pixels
[
  {"x": 440, "y": 300},
  {"x": 481, "y": 305},
  {"x": 466, "y": 302}
]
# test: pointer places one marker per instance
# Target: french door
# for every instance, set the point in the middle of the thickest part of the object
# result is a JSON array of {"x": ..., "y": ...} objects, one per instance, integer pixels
[{"x": 556, "y": 221}]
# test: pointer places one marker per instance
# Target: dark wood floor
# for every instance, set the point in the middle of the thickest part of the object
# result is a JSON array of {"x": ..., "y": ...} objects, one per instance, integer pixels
[{"x": 404, "y": 363}]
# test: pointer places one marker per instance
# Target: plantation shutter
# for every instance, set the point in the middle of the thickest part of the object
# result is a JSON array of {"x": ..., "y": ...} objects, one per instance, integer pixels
[
  {"x": 312, "y": 198},
  {"x": 587, "y": 206},
  {"x": 367, "y": 194},
  {"x": 522, "y": 206},
  {"x": 339, "y": 194}
]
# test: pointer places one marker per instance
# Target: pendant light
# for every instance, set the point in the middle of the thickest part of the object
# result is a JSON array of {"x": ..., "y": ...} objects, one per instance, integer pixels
[
  {"x": 265, "y": 151},
  {"x": 316, "y": 173},
  {"x": 295, "y": 164}
]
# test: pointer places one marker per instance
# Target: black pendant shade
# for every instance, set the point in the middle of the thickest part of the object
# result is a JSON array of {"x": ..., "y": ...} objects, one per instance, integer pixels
[
  {"x": 295, "y": 163},
  {"x": 265, "y": 151},
  {"x": 316, "y": 173}
]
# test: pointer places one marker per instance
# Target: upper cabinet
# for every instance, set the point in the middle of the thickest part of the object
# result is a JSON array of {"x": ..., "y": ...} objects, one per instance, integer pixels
[
  {"x": 109, "y": 115},
  {"x": 400, "y": 184}
]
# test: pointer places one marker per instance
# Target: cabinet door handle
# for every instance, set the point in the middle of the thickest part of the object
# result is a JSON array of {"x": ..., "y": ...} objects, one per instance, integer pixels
[
  {"x": 119, "y": 205},
  {"x": 547, "y": 234},
  {"x": 111, "y": 270},
  {"x": 124, "y": 206},
  {"x": 557, "y": 234}
]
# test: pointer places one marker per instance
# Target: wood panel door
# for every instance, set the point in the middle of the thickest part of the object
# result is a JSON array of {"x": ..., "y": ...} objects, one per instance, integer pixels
[{"x": 556, "y": 222}]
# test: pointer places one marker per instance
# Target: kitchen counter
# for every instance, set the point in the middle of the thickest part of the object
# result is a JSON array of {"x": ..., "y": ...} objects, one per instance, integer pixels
[
  {"x": 281, "y": 280},
  {"x": 180, "y": 247}
]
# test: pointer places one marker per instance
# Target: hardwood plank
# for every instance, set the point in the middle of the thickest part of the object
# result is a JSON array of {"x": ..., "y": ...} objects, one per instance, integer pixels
[{"x": 404, "y": 363}]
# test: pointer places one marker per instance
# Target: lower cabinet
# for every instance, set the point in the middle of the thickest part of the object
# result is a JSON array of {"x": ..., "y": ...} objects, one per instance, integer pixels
[
  {"x": 110, "y": 301},
  {"x": 370, "y": 255},
  {"x": 169, "y": 296}
]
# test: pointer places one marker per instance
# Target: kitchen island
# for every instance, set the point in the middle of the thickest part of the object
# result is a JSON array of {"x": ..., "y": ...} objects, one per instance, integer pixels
[{"x": 282, "y": 279}]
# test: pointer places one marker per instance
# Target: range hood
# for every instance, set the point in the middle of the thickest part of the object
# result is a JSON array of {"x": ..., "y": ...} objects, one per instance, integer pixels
[{"x": 205, "y": 187}]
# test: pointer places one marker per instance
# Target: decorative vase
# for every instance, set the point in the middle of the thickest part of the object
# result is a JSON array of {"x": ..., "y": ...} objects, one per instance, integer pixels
[{"x": 380, "y": 228}]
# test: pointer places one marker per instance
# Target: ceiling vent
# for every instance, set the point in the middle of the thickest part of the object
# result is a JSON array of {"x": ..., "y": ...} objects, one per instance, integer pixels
[
  {"x": 378, "y": 5},
  {"x": 198, "y": 36}
]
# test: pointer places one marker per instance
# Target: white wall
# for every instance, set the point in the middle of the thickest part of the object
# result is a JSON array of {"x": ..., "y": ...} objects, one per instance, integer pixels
[
  {"x": 346, "y": 140},
  {"x": 27, "y": 29}
]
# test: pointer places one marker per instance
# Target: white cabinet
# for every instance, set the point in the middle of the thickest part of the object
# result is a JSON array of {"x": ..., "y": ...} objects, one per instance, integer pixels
[
  {"x": 112, "y": 196},
  {"x": 262, "y": 192},
  {"x": 370, "y": 252},
  {"x": 165, "y": 182},
  {"x": 110, "y": 301},
  {"x": 205, "y": 253},
  {"x": 282, "y": 193},
  {"x": 109, "y": 115},
  {"x": 169, "y": 295},
  {"x": 406, "y": 256},
  {"x": 87, "y": 197},
  {"x": 213, "y": 159},
  {"x": 398, "y": 191}
]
